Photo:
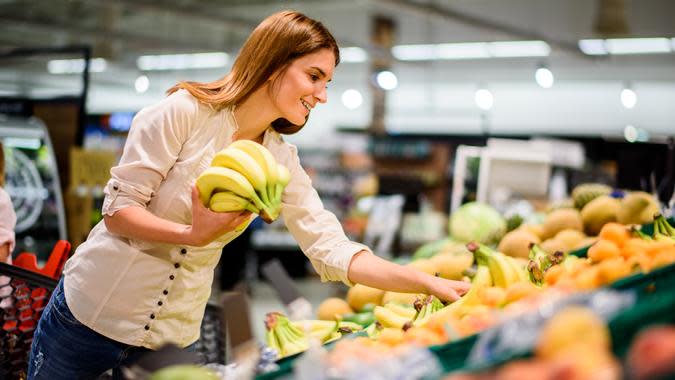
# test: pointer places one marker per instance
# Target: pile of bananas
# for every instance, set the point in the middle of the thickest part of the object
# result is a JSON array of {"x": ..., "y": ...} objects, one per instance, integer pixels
[
  {"x": 402, "y": 316},
  {"x": 291, "y": 337},
  {"x": 244, "y": 176},
  {"x": 505, "y": 270}
]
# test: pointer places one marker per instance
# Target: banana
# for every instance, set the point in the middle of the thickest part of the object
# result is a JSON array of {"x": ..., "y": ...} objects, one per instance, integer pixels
[
  {"x": 405, "y": 312},
  {"x": 216, "y": 179},
  {"x": 518, "y": 269},
  {"x": 509, "y": 273},
  {"x": 264, "y": 158},
  {"x": 243, "y": 163},
  {"x": 388, "y": 318},
  {"x": 481, "y": 280},
  {"x": 283, "y": 178},
  {"x": 227, "y": 201},
  {"x": 272, "y": 341}
]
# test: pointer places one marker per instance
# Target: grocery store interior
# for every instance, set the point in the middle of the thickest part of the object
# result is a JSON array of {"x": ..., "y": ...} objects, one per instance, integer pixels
[{"x": 525, "y": 147}]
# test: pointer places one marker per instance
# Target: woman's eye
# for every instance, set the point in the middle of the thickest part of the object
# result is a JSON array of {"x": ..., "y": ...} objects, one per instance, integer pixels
[{"x": 314, "y": 77}]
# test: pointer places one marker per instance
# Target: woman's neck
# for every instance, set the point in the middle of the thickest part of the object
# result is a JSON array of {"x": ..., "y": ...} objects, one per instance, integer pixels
[{"x": 254, "y": 116}]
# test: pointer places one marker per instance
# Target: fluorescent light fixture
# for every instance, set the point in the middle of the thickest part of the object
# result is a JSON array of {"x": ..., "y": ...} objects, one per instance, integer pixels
[
  {"x": 182, "y": 61},
  {"x": 421, "y": 52},
  {"x": 507, "y": 49},
  {"x": 469, "y": 50},
  {"x": 544, "y": 77},
  {"x": 638, "y": 45},
  {"x": 75, "y": 66},
  {"x": 484, "y": 99},
  {"x": 593, "y": 47},
  {"x": 352, "y": 99},
  {"x": 353, "y": 55},
  {"x": 142, "y": 84}
]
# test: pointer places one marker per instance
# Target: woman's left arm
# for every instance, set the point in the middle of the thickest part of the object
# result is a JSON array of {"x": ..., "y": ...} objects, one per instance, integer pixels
[{"x": 371, "y": 270}]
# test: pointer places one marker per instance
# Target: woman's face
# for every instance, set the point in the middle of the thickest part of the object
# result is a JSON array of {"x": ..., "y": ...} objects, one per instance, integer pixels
[{"x": 303, "y": 85}]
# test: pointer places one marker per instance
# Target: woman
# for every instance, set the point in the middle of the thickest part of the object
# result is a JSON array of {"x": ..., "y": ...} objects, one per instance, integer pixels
[{"x": 143, "y": 276}]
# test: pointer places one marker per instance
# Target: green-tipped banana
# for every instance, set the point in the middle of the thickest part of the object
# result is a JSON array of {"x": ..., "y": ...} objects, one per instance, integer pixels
[
  {"x": 243, "y": 163},
  {"x": 264, "y": 158},
  {"x": 215, "y": 179},
  {"x": 226, "y": 201},
  {"x": 388, "y": 318},
  {"x": 403, "y": 311},
  {"x": 502, "y": 272},
  {"x": 283, "y": 178}
]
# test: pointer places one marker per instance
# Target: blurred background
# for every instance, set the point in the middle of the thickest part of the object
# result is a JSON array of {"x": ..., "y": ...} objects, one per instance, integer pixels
[{"x": 436, "y": 103}]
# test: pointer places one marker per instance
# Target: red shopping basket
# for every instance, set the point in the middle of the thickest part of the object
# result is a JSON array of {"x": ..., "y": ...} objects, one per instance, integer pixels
[{"x": 23, "y": 296}]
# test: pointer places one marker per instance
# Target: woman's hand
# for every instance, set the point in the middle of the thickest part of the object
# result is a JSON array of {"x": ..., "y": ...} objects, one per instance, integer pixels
[
  {"x": 208, "y": 225},
  {"x": 446, "y": 290}
]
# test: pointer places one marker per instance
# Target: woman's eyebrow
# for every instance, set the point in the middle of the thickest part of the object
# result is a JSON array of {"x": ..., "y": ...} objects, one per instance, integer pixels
[{"x": 321, "y": 72}]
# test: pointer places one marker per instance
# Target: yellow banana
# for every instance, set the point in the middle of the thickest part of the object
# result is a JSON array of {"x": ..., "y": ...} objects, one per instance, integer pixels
[
  {"x": 264, "y": 158},
  {"x": 406, "y": 312},
  {"x": 227, "y": 201},
  {"x": 272, "y": 341},
  {"x": 388, "y": 318},
  {"x": 217, "y": 178},
  {"x": 520, "y": 270},
  {"x": 481, "y": 280},
  {"x": 283, "y": 177},
  {"x": 243, "y": 163}
]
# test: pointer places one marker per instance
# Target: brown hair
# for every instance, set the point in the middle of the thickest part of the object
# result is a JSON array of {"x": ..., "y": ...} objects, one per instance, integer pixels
[
  {"x": 2, "y": 166},
  {"x": 271, "y": 47}
]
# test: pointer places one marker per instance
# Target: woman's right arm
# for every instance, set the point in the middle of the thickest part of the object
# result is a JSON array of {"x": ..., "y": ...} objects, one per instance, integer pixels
[
  {"x": 138, "y": 223},
  {"x": 154, "y": 143}
]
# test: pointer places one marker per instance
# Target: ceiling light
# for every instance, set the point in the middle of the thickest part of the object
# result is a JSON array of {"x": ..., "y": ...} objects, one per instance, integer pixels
[
  {"x": 638, "y": 45},
  {"x": 414, "y": 52},
  {"x": 544, "y": 77},
  {"x": 505, "y": 49},
  {"x": 469, "y": 50},
  {"x": 353, "y": 55},
  {"x": 593, "y": 47},
  {"x": 75, "y": 66},
  {"x": 630, "y": 133},
  {"x": 628, "y": 98},
  {"x": 484, "y": 99},
  {"x": 142, "y": 84},
  {"x": 386, "y": 80},
  {"x": 182, "y": 61},
  {"x": 352, "y": 99}
]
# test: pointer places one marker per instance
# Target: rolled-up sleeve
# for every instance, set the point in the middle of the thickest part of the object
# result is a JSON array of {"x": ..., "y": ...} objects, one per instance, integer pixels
[
  {"x": 317, "y": 230},
  {"x": 154, "y": 143}
]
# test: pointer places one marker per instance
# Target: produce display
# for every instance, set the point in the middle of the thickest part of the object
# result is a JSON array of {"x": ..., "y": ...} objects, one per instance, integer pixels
[
  {"x": 513, "y": 273},
  {"x": 244, "y": 176}
]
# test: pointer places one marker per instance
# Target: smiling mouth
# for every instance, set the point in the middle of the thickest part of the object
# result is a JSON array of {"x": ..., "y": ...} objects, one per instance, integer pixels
[{"x": 307, "y": 106}]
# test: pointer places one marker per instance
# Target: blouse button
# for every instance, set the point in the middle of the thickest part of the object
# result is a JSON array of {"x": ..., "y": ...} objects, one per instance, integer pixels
[
  {"x": 160, "y": 303},
  {"x": 172, "y": 277},
  {"x": 152, "y": 316},
  {"x": 183, "y": 251},
  {"x": 165, "y": 292},
  {"x": 176, "y": 265},
  {"x": 147, "y": 327}
]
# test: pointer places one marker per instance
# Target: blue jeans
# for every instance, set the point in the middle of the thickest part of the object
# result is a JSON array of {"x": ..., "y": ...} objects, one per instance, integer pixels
[{"x": 64, "y": 348}]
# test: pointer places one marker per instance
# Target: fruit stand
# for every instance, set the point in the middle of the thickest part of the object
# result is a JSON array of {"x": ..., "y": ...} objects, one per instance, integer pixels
[{"x": 580, "y": 282}]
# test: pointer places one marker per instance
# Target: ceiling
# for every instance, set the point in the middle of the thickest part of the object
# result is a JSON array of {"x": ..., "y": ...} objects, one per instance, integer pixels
[{"x": 122, "y": 30}]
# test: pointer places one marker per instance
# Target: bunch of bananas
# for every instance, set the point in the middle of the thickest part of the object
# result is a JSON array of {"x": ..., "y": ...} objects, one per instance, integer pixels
[
  {"x": 244, "y": 176},
  {"x": 425, "y": 308},
  {"x": 504, "y": 270},
  {"x": 540, "y": 262},
  {"x": 291, "y": 337},
  {"x": 481, "y": 280},
  {"x": 284, "y": 336},
  {"x": 663, "y": 231},
  {"x": 394, "y": 315}
]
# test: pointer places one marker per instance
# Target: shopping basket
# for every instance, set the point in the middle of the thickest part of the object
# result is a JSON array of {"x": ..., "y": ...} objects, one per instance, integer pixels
[{"x": 23, "y": 296}]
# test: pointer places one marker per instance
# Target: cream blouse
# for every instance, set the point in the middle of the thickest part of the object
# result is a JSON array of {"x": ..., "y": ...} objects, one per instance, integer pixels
[{"x": 148, "y": 294}]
